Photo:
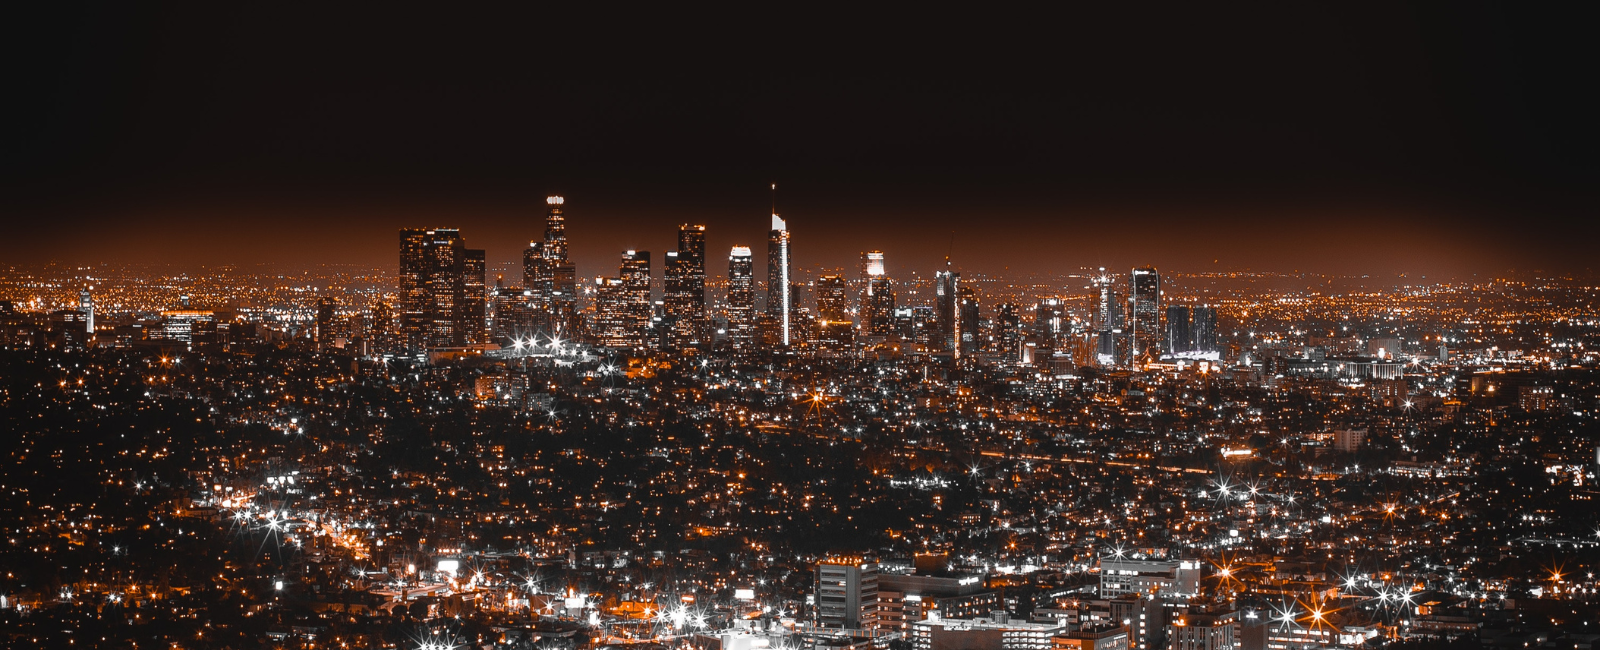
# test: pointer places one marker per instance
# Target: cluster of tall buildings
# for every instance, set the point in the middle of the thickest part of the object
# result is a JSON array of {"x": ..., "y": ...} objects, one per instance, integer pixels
[{"x": 444, "y": 303}]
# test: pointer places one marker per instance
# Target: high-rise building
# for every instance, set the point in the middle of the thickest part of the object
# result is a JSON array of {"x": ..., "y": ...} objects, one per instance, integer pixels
[
  {"x": 834, "y": 330},
  {"x": 549, "y": 276},
  {"x": 512, "y": 312},
  {"x": 474, "y": 297},
  {"x": 1108, "y": 320},
  {"x": 833, "y": 303},
  {"x": 948, "y": 320},
  {"x": 613, "y": 313},
  {"x": 327, "y": 312},
  {"x": 877, "y": 296},
  {"x": 847, "y": 593},
  {"x": 434, "y": 288},
  {"x": 1180, "y": 337},
  {"x": 1008, "y": 332},
  {"x": 1205, "y": 329},
  {"x": 780, "y": 280},
  {"x": 635, "y": 275},
  {"x": 684, "y": 287},
  {"x": 1144, "y": 296},
  {"x": 967, "y": 321},
  {"x": 1049, "y": 322},
  {"x": 741, "y": 299},
  {"x": 86, "y": 305}
]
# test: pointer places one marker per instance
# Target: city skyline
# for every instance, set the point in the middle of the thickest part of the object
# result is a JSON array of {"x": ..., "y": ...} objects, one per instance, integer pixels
[{"x": 1203, "y": 327}]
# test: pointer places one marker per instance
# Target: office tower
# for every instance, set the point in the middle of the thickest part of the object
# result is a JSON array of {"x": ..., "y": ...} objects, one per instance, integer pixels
[
  {"x": 382, "y": 328},
  {"x": 947, "y": 322},
  {"x": 474, "y": 298},
  {"x": 86, "y": 305},
  {"x": 967, "y": 320},
  {"x": 635, "y": 275},
  {"x": 780, "y": 280},
  {"x": 614, "y": 313},
  {"x": 1107, "y": 307},
  {"x": 684, "y": 287},
  {"x": 877, "y": 296},
  {"x": 535, "y": 276},
  {"x": 1144, "y": 295},
  {"x": 1049, "y": 323},
  {"x": 327, "y": 311},
  {"x": 741, "y": 299},
  {"x": 513, "y": 316},
  {"x": 847, "y": 593},
  {"x": 1008, "y": 332},
  {"x": 550, "y": 276},
  {"x": 834, "y": 330},
  {"x": 1205, "y": 329},
  {"x": 833, "y": 303},
  {"x": 1180, "y": 338},
  {"x": 432, "y": 287}
]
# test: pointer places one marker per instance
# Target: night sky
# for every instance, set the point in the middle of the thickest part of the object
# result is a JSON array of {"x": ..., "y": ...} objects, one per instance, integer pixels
[{"x": 1277, "y": 136}]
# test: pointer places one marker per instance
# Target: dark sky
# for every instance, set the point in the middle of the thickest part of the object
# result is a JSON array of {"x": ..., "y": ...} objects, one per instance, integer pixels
[{"x": 1275, "y": 136}]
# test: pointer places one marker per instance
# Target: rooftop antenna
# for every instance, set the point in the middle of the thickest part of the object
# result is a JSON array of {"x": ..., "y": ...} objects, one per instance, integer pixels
[
  {"x": 774, "y": 198},
  {"x": 950, "y": 250}
]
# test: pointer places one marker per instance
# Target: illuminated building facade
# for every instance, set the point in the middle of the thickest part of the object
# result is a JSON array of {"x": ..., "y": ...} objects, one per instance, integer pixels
[
  {"x": 877, "y": 296},
  {"x": 946, "y": 284},
  {"x": 1108, "y": 321},
  {"x": 86, "y": 305},
  {"x": 741, "y": 299},
  {"x": 635, "y": 275},
  {"x": 434, "y": 288},
  {"x": 834, "y": 329},
  {"x": 780, "y": 281},
  {"x": 613, "y": 314},
  {"x": 1008, "y": 332},
  {"x": 1144, "y": 297},
  {"x": 327, "y": 312},
  {"x": 474, "y": 297},
  {"x": 967, "y": 321},
  {"x": 684, "y": 287},
  {"x": 549, "y": 275},
  {"x": 847, "y": 593}
]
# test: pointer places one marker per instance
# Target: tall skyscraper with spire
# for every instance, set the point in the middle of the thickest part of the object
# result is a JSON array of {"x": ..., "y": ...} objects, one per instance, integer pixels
[
  {"x": 780, "y": 277},
  {"x": 946, "y": 285},
  {"x": 549, "y": 276}
]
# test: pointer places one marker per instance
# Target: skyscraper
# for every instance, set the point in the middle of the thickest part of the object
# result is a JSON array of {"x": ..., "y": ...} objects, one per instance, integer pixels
[
  {"x": 1180, "y": 339},
  {"x": 613, "y": 313},
  {"x": 877, "y": 296},
  {"x": 86, "y": 305},
  {"x": 327, "y": 311},
  {"x": 635, "y": 274},
  {"x": 967, "y": 321},
  {"x": 474, "y": 297},
  {"x": 741, "y": 299},
  {"x": 1008, "y": 332},
  {"x": 780, "y": 280},
  {"x": 1108, "y": 320},
  {"x": 1205, "y": 330},
  {"x": 1144, "y": 294},
  {"x": 947, "y": 308},
  {"x": 549, "y": 275},
  {"x": 834, "y": 328},
  {"x": 684, "y": 286},
  {"x": 434, "y": 287}
]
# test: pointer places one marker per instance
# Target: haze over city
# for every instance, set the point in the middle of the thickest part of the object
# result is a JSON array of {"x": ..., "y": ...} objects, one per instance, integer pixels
[{"x": 1200, "y": 327}]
